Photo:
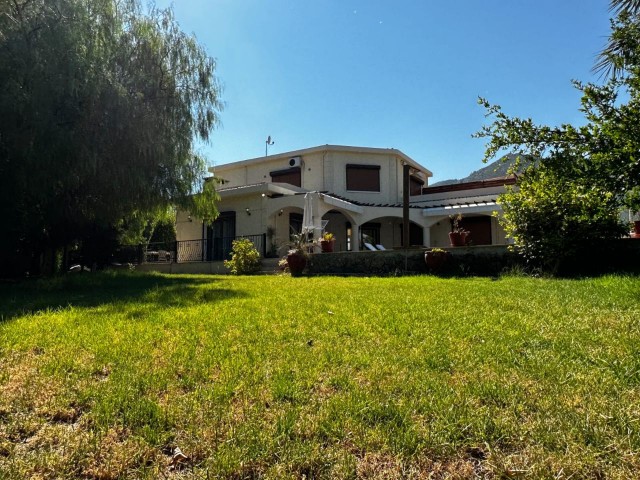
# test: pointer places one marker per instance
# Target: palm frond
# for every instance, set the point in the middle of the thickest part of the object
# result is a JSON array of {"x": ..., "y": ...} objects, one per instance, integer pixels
[
  {"x": 605, "y": 66},
  {"x": 631, "y": 6}
]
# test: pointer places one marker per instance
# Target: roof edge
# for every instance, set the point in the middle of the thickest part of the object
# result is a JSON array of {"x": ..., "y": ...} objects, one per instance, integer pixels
[
  {"x": 323, "y": 148},
  {"x": 456, "y": 187}
]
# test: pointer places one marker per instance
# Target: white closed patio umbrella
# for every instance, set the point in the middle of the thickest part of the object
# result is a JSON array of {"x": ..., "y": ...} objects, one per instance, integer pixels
[{"x": 310, "y": 219}]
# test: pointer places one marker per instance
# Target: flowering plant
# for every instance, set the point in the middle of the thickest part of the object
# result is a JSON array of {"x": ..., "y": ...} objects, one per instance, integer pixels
[{"x": 456, "y": 223}]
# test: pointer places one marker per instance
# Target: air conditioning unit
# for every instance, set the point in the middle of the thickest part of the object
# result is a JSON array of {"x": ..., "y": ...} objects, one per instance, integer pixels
[{"x": 295, "y": 162}]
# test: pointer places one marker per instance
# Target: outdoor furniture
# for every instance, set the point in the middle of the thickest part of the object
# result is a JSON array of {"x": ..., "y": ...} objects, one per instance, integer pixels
[
  {"x": 380, "y": 247},
  {"x": 370, "y": 247},
  {"x": 158, "y": 256}
]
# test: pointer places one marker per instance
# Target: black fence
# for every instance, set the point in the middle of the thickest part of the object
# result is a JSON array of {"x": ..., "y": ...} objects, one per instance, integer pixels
[{"x": 184, "y": 251}]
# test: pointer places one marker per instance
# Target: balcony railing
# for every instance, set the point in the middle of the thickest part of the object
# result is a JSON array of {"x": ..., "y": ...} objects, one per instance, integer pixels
[{"x": 184, "y": 251}]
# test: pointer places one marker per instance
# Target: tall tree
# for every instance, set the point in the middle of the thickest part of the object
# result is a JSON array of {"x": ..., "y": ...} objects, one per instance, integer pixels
[
  {"x": 100, "y": 105},
  {"x": 608, "y": 63},
  {"x": 593, "y": 170}
]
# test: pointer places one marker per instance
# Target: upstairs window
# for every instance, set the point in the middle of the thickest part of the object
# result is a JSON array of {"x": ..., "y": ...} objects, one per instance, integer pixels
[
  {"x": 363, "y": 178},
  {"x": 416, "y": 184},
  {"x": 292, "y": 176}
]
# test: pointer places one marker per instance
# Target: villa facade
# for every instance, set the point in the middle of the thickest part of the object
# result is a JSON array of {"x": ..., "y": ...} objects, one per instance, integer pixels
[{"x": 357, "y": 194}]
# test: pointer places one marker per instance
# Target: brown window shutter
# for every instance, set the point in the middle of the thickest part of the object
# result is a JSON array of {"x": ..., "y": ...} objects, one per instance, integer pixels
[{"x": 363, "y": 178}]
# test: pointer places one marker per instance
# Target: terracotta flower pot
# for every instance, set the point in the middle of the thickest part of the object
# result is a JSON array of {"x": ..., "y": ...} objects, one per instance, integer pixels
[
  {"x": 296, "y": 262},
  {"x": 327, "y": 246},
  {"x": 436, "y": 260},
  {"x": 458, "y": 239}
]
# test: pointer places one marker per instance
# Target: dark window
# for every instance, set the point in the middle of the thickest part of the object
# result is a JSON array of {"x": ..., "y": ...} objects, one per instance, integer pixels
[
  {"x": 370, "y": 233},
  {"x": 416, "y": 235},
  {"x": 292, "y": 176},
  {"x": 416, "y": 185},
  {"x": 363, "y": 178},
  {"x": 295, "y": 223}
]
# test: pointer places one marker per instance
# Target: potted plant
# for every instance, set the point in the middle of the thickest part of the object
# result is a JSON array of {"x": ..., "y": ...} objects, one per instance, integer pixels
[
  {"x": 327, "y": 241},
  {"x": 297, "y": 255},
  {"x": 458, "y": 235},
  {"x": 436, "y": 258}
]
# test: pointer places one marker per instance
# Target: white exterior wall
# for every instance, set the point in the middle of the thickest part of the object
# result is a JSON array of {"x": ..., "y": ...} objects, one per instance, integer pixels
[
  {"x": 254, "y": 221},
  {"x": 498, "y": 235},
  {"x": 187, "y": 227},
  {"x": 389, "y": 166},
  {"x": 312, "y": 172},
  {"x": 324, "y": 171},
  {"x": 440, "y": 233}
]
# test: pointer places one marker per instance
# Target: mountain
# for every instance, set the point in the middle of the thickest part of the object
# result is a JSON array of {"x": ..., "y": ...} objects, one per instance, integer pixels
[{"x": 499, "y": 168}]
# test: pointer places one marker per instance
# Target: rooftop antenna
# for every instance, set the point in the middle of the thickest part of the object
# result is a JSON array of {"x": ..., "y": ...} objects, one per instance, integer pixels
[{"x": 266, "y": 145}]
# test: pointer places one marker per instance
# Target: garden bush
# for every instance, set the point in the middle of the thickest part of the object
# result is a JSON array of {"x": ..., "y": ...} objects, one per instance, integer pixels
[{"x": 245, "y": 258}]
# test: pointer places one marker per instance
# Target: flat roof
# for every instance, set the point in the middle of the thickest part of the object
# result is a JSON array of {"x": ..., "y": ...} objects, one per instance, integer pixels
[{"x": 324, "y": 148}]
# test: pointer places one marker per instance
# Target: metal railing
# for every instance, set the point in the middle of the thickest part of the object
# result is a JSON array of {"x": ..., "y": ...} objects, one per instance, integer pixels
[
  {"x": 192, "y": 251},
  {"x": 185, "y": 251}
]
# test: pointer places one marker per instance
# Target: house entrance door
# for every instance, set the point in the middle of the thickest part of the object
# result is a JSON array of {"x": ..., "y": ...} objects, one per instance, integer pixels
[
  {"x": 479, "y": 229},
  {"x": 220, "y": 236}
]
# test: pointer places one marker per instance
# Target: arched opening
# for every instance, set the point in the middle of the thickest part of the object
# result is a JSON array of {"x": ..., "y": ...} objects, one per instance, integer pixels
[{"x": 341, "y": 226}]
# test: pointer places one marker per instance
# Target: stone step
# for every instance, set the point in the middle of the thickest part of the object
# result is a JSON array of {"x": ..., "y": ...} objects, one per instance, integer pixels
[{"x": 270, "y": 265}]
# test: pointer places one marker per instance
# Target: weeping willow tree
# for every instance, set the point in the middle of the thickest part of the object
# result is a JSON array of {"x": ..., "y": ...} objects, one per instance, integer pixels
[{"x": 101, "y": 103}]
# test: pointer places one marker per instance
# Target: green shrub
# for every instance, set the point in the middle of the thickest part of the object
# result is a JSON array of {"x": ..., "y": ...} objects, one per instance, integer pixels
[
  {"x": 245, "y": 259},
  {"x": 554, "y": 218}
]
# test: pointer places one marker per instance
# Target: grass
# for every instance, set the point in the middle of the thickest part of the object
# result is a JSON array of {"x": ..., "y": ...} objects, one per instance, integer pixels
[{"x": 103, "y": 376}]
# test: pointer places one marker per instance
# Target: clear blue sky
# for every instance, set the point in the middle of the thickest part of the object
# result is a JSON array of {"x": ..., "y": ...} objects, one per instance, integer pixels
[{"x": 382, "y": 73}]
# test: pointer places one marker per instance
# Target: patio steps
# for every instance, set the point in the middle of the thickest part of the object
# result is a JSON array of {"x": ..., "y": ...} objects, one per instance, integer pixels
[{"x": 269, "y": 266}]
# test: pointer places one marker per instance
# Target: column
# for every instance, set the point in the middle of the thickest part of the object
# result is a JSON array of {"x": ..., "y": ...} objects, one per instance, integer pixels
[{"x": 426, "y": 236}]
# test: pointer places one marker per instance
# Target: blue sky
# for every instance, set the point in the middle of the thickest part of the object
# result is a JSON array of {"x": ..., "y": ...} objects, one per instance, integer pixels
[{"x": 381, "y": 73}]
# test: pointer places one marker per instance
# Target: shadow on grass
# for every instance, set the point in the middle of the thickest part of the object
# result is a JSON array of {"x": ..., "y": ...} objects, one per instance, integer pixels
[{"x": 95, "y": 289}]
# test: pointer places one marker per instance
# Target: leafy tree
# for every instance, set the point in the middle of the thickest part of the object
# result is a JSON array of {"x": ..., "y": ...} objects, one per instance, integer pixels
[
  {"x": 150, "y": 226},
  {"x": 555, "y": 218},
  {"x": 100, "y": 105},
  {"x": 585, "y": 174}
]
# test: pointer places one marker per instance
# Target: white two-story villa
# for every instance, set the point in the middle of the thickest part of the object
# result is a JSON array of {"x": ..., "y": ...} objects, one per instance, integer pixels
[{"x": 355, "y": 193}]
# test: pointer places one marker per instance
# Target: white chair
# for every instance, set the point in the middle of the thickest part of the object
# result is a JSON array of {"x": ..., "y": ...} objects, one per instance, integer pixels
[
  {"x": 380, "y": 247},
  {"x": 370, "y": 247}
]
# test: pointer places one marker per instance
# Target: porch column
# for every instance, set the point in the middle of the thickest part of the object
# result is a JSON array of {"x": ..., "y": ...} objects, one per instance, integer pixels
[
  {"x": 426, "y": 236},
  {"x": 427, "y": 223},
  {"x": 355, "y": 237}
]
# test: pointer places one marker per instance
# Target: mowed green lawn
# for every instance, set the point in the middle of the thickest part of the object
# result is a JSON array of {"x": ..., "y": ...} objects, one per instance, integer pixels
[{"x": 103, "y": 376}]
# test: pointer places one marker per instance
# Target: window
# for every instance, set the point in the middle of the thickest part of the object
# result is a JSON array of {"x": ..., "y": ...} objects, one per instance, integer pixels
[
  {"x": 416, "y": 184},
  {"x": 363, "y": 178},
  {"x": 295, "y": 223},
  {"x": 292, "y": 176}
]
